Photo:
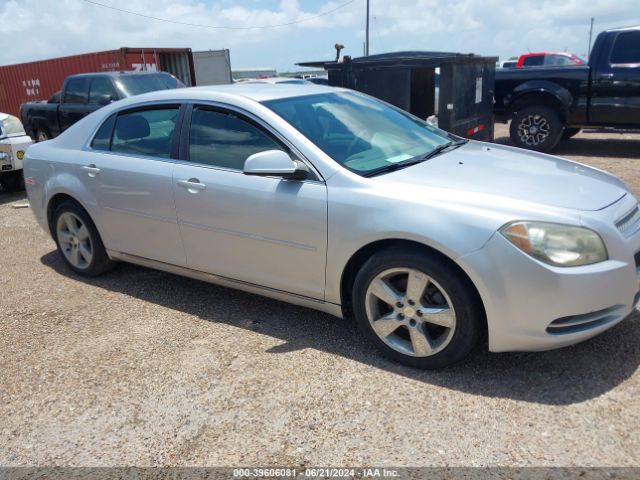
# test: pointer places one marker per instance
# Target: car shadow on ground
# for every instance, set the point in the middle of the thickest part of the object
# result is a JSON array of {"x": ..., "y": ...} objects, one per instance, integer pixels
[
  {"x": 560, "y": 377},
  {"x": 592, "y": 147},
  {"x": 9, "y": 197}
]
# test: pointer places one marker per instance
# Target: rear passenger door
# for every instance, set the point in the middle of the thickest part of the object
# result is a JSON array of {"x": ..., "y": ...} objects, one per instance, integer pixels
[
  {"x": 129, "y": 170},
  {"x": 266, "y": 231}
]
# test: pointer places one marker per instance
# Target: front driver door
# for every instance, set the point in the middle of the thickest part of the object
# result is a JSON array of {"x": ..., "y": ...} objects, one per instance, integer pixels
[{"x": 265, "y": 231}]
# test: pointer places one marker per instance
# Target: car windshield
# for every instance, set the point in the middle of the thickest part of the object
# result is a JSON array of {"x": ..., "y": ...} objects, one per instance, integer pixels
[
  {"x": 137, "y": 84},
  {"x": 11, "y": 126},
  {"x": 359, "y": 132}
]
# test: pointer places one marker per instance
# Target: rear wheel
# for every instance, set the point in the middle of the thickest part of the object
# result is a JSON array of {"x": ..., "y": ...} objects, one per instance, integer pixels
[
  {"x": 78, "y": 240},
  {"x": 417, "y": 309},
  {"x": 42, "y": 135},
  {"x": 13, "y": 181},
  {"x": 536, "y": 128},
  {"x": 570, "y": 132}
]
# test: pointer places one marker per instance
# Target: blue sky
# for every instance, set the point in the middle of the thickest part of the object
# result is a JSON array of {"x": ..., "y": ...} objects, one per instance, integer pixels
[{"x": 44, "y": 28}]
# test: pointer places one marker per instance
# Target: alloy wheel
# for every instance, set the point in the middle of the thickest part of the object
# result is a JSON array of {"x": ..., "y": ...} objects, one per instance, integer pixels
[
  {"x": 410, "y": 312},
  {"x": 75, "y": 240},
  {"x": 533, "y": 130}
]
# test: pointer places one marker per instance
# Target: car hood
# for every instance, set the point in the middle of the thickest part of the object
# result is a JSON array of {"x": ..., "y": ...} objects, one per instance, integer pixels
[{"x": 514, "y": 173}]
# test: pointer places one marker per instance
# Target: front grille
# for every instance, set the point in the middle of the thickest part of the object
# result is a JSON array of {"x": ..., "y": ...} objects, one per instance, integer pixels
[
  {"x": 586, "y": 321},
  {"x": 630, "y": 220}
]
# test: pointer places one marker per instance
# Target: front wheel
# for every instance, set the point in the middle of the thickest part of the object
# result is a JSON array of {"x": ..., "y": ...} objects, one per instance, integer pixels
[
  {"x": 417, "y": 309},
  {"x": 536, "y": 128},
  {"x": 78, "y": 240}
]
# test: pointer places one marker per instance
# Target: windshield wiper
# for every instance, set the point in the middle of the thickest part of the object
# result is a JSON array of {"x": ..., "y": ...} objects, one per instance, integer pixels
[
  {"x": 441, "y": 148},
  {"x": 392, "y": 167}
]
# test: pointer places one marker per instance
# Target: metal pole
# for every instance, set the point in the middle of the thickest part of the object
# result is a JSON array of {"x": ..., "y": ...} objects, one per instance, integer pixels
[
  {"x": 366, "y": 43},
  {"x": 590, "y": 34}
]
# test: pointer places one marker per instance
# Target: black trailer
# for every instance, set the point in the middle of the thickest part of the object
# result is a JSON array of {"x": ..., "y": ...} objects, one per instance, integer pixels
[{"x": 455, "y": 87}]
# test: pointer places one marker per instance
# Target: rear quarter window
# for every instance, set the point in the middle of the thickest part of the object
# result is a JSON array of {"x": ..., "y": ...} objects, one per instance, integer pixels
[{"x": 102, "y": 139}]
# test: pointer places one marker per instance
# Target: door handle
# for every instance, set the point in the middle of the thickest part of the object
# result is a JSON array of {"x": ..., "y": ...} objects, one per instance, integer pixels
[
  {"x": 193, "y": 185},
  {"x": 91, "y": 170},
  {"x": 605, "y": 76}
]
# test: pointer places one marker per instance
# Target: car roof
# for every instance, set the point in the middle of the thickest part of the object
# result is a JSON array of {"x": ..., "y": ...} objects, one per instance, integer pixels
[
  {"x": 258, "y": 92},
  {"x": 126, "y": 73}
]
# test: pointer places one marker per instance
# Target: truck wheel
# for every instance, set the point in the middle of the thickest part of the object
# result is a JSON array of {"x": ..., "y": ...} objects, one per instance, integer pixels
[
  {"x": 536, "y": 128},
  {"x": 42, "y": 135},
  {"x": 570, "y": 132},
  {"x": 12, "y": 182}
]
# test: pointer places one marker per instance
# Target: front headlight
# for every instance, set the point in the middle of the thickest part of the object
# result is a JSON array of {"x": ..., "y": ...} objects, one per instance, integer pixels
[{"x": 556, "y": 244}]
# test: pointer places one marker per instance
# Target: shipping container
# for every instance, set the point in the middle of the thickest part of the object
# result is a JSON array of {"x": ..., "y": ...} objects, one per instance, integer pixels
[{"x": 34, "y": 81}]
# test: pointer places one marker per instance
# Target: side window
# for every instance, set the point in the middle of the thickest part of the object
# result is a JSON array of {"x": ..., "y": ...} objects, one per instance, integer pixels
[
  {"x": 101, "y": 88},
  {"x": 222, "y": 139},
  {"x": 533, "y": 61},
  {"x": 102, "y": 140},
  {"x": 76, "y": 91},
  {"x": 145, "y": 132},
  {"x": 626, "y": 49}
]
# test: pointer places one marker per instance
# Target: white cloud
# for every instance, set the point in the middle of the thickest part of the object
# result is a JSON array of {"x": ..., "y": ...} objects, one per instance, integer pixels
[{"x": 42, "y": 29}]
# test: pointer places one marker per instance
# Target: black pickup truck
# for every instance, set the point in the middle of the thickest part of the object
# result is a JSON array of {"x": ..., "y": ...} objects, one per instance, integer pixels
[
  {"x": 547, "y": 104},
  {"x": 84, "y": 93}
]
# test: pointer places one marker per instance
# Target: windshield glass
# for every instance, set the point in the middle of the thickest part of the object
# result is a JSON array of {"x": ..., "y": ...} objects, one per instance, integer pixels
[
  {"x": 137, "y": 84},
  {"x": 11, "y": 126},
  {"x": 359, "y": 132}
]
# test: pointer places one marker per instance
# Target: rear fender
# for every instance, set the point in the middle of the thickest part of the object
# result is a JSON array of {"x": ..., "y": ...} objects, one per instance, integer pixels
[
  {"x": 539, "y": 92},
  {"x": 67, "y": 184}
]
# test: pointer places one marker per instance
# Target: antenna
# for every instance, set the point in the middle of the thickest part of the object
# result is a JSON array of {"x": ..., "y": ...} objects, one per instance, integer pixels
[{"x": 590, "y": 34}]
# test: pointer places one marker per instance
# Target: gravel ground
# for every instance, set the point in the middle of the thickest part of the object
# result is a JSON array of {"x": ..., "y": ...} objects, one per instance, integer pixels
[{"x": 145, "y": 368}]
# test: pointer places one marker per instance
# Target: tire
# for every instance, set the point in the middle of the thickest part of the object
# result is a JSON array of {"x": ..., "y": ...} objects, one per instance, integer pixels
[
  {"x": 448, "y": 298},
  {"x": 12, "y": 182},
  {"x": 73, "y": 242},
  {"x": 42, "y": 135},
  {"x": 570, "y": 132},
  {"x": 536, "y": 128}
]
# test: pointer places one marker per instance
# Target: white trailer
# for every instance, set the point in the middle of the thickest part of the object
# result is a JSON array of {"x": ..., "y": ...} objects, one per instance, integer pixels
[{"x": 212, "y": 67}]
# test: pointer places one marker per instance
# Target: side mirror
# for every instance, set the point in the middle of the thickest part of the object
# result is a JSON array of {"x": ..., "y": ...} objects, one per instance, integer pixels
[
  {"x": 275, "y": 163},
  {"x": 105, "y": 99}
]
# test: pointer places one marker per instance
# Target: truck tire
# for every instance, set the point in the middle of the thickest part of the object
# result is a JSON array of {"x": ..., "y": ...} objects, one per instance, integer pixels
[
  {"x": 536, "y": 128},
  {"x": 570, "y": 132},
  {"x": 13, "y": 181},
  {"x": 42, "y": 135}
]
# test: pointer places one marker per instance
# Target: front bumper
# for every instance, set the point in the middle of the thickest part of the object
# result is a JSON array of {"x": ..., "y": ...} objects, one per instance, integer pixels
[{"x": 534, "y": 306}]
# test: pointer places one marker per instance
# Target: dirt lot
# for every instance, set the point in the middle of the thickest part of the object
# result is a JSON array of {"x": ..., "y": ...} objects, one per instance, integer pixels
[{"x": 145, "y": 368}]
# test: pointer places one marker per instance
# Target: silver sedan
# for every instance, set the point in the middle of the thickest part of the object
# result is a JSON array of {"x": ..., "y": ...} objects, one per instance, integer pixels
[{"x": 333, "y": 200}]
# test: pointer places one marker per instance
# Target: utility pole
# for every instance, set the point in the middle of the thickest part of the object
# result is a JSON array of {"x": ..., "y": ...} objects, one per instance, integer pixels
[
  {"x": 366, "y": 41},
  {"x": 590, "y": 34}
]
